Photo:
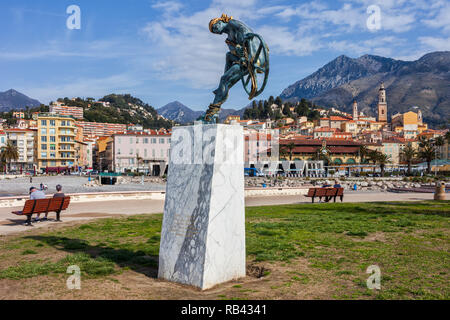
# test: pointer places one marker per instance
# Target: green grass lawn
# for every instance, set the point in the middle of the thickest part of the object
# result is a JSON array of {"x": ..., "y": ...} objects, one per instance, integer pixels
[{"x": 408, "y": 241}]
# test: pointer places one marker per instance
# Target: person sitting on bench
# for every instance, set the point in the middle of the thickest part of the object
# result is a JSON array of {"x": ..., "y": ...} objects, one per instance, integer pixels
[
  {"x": 36, "y": 194},
  {"x": 327, "y": 184},
  {"x": 58, "y": 194},
  {"x": 337, "y": 184}
]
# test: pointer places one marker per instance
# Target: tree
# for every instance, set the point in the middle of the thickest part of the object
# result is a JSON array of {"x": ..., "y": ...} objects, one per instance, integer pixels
[
  {"x": 447, "y": 136},
  {"x": 278, "y": 115},
  {"x": 323, "y": 153},
  {"x": 427, "y": 152},
  {"x": 439, "y": 141},
  {"x": 289, "y": 149},
  {"x": 9, "y": 153},
  {"x": 373, "y": 156},
  {"x": 383, "y": 159},
  {"x": 408, "y": 154},
  {"x": 287, "y": 111},
  {"x": 363, "y": 153},
  {"x": 278, "y": 102}
]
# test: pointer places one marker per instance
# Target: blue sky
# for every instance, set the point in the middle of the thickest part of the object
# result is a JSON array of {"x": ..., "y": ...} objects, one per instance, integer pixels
[{"x": 161, "y": 51}]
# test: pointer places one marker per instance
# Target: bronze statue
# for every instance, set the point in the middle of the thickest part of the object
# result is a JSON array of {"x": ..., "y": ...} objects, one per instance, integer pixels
[{"x": 248, "y": 57}]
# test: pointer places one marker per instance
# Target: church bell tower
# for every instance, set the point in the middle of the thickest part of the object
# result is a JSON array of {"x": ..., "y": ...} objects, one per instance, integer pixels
[
  {"x": 382, "y": 104},
  {"x": 355, "y": 110}
]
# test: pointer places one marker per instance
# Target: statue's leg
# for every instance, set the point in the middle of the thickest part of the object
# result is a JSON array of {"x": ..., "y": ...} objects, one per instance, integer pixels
[{"x": 229, "y": 79}]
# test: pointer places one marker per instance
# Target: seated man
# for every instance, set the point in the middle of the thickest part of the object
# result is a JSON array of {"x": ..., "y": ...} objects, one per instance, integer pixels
[
  {"x": 58, "y": 194},
  {"x": 337, "y": 184},
  {"x": 325, "y": 185},
  {"x": 36, "y": 194}
]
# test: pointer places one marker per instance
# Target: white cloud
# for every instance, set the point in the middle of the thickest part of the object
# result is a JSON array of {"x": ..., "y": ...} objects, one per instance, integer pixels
[
  {"x": 441, "y": 19},
  {"x": 83, "y": 87},
  {"x": 435, "y": 43},
  {"x": 284, "y": 42},
  {"x": 168, "y": 6}
]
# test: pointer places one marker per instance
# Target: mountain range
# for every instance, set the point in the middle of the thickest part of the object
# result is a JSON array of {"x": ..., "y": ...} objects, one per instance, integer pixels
[
  {"x": 13, "y": 99},
  {"x": 180, "y": 113},
  {"x": 424, "y": 83}
]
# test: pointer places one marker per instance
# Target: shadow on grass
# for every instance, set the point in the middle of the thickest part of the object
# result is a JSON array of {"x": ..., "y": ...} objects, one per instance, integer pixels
[{"x": 135, "y": 260}]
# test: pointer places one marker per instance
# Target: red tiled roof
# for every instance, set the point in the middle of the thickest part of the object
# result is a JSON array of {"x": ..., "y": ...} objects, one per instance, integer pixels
[
  {"x": 325, "y": 129},
  {"x": 338, "y": 118},
  {"x": 319, "y": 142},
  {"x": 312, "y": 149}
]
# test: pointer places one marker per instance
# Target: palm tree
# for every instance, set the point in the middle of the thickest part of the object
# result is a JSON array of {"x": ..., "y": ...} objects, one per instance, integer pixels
[
  {"x": 408, "y": 154},
  {"x": 383, "y": 159},
  {"x": 427, "y": 152},
  {"x": 323, "y": 153},
  {"x": 289, "y": 149},
  {"x": 363, "y": 153},
  {"x": 373, "y": 156},
  {"x": 8, "y": 153},
  {"x": 439, "y": 141},
  {"x": 447, "y": 136},
  {"x": 283, "y": 153}
]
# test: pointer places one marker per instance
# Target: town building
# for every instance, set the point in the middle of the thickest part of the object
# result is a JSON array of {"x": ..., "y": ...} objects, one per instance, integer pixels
[
  {"x": 231, "y": 118},
  {"x": 3, "y": 139},
  {"x": 24, "y": 140},
  {"x": 138, "y": 152},
  {"x": 19, "y": 114},
  {"x": 339, "y": 151},
  {"x": 408, "y": 124},
  {"x": 324, "y": 132},
  {"x": 102, "y": 129},
  {"x": 55, "y": 142},
  {"x": 60, "y": 108}
]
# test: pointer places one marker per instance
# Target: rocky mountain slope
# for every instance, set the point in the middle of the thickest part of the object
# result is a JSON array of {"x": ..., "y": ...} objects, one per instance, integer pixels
[
  {"x": 14, "y": 100},
  {"x": 424, "y": 83}
]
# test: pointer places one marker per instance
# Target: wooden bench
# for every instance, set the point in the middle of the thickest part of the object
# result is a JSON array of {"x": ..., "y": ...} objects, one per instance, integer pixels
[
  {"x": 43, "y": 206},
  {"x": 327, "y": 193}
]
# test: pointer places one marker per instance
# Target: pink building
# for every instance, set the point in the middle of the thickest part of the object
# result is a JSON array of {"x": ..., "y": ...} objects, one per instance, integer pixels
[{"x": 138, "y": 152}]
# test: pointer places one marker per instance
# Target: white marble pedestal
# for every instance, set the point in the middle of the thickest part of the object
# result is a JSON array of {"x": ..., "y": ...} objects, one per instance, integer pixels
[{"x": 203, "y": 231}]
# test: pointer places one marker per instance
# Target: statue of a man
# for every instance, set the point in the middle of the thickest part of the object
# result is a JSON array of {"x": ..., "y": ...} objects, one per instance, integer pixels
[{"x": 243, "y": 45}]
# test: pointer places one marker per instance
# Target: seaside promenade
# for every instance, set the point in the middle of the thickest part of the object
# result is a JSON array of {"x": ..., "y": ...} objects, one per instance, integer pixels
[{"x": 88, "y": 210}]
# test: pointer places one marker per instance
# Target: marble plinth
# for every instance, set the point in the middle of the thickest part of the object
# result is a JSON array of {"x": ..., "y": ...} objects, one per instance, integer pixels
[{"x": 203, "y": 231}]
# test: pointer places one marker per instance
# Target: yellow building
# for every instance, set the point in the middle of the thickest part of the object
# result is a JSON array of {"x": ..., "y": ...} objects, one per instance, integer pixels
[
  {"x": 231, "y": 118},
  {"x": 409, "y": 124},
  {"x": 350, "y": 126},
  {"x": 56, "y": 142}
]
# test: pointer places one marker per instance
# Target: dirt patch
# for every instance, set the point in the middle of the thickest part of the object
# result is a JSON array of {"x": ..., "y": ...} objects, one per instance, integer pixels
[{"x": 287, "y": 281}]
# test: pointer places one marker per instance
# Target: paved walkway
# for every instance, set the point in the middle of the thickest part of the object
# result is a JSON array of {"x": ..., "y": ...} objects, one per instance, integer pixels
[{"x": 10, "y": 223}]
